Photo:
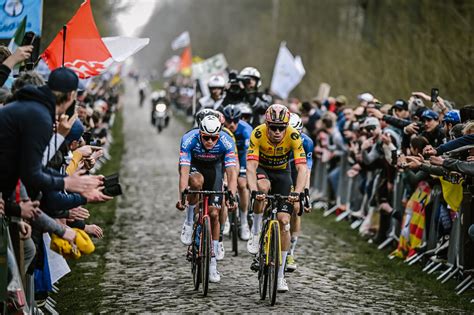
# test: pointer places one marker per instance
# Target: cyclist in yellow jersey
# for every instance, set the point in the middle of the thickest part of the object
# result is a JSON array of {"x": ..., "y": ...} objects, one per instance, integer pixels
[{"x": 268, "y": 171}]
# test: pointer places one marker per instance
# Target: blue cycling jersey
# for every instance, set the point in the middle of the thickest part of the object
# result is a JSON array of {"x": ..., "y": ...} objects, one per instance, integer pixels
[
  {"x": 308, "y": 146},
  {"x": 242, "y": 137},
  {"x": 193, "y": 151}
]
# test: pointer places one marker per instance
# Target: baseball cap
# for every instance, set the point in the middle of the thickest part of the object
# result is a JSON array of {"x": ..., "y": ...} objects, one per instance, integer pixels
[
  {"x": 400, "y": 104},
  {"x": 452, "y": 117},
  {"x": 63, "y": 80},
  {"x": 370, "y": 121},
  {"x": 429, "y": 114},
  {"x": 76, "y": 131}
]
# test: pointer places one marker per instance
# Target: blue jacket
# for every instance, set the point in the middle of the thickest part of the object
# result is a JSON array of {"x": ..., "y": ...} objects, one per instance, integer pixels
[
  {"x": 456, "y": 143},
  {"x": 26, "y": 127},
  {"x": 242, "y": 137}
]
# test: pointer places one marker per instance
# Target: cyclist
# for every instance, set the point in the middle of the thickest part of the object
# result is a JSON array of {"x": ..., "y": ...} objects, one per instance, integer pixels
[
  {"x": 216, "y": 86},
  {"x": 242, "y": 132},
  {"x": 308, "y": 146},
  {"x": 268, "y": 172},
  {"x": 202, "y": 156}
]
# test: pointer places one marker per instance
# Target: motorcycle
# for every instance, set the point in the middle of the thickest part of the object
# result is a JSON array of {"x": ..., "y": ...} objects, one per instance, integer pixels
[{"x": 161, "y": 116}]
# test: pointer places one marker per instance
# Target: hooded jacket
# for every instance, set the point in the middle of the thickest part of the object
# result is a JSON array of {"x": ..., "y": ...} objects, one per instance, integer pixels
[{"x": 26, "y": 127}]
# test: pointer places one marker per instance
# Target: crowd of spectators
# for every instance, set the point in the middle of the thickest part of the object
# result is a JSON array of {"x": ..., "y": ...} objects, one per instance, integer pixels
[{"x": 55, "y": 136}]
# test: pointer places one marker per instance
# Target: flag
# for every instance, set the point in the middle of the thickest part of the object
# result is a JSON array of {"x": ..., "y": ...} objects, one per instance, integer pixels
[
  {"x": 12, "y": 13},
  {"x": 17, "y": 38},
  {"x": 123, "y": 47},
  {"x": 287, "y": 73},
  {"x": 186, "y": 61},
  {"x": 172, "y": 66},
  {"x": 181, "y": 41}
]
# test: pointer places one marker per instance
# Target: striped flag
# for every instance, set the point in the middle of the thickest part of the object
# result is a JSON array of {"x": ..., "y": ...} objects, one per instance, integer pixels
[{"x": 16, "y": 40}]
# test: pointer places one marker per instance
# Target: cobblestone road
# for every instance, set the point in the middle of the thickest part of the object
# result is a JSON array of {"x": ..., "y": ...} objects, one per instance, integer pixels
[{"x": 146, "y": 268}]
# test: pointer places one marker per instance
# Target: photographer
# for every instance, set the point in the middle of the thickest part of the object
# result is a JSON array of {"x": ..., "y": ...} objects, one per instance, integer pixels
[{"x": 9, "y": 60}]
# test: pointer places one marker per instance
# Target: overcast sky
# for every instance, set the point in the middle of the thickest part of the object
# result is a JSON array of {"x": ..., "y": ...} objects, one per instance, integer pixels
[{"x": 138, "y": 14}]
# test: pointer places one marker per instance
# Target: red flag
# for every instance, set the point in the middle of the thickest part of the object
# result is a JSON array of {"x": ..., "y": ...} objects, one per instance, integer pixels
[
  {"x": 85, "y": 52},
  {"x": 186, "y": 60}
]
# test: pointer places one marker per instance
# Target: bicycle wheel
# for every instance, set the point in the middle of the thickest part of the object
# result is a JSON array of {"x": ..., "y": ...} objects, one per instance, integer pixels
[
  {"x": 195, "y": 259},
  {"x": 263, "y": 268},
  {"x": 205, "y": 253},
  {"x": 234, "y": 232},
  {"x": 274, "y": 262}
]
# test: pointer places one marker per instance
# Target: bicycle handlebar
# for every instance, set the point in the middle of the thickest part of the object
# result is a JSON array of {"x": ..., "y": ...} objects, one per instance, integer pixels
[
  {"x": 279, "y": 197},
  {"x": 185, "y": 192}
]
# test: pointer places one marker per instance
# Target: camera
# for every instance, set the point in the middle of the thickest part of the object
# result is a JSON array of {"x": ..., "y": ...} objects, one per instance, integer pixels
[
  {"x": 87, "y": 136},
  {"x": 235, "y": 82},
  {"x": 421, "y": 126},
  {"x": 434, "y": 95}
]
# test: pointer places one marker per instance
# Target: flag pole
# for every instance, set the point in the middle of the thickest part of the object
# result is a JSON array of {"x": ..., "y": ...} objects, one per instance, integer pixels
[{"x": 64, "y": 42}]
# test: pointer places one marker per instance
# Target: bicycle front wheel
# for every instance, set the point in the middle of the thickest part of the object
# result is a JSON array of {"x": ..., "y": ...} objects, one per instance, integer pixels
[
  {"x": 274, "y": 262},
  {"x": 196, "y": 260},
  {"x": 205, "y": 254},
  {"x": 234, "y": 232},
  {"x": 262, "y": 265}
]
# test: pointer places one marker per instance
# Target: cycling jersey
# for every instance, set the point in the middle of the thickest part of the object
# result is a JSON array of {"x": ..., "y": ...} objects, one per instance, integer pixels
[
  {"x": 308, "y": 147},
  {"x": 192, "y": 150},
  {"x": 275, "y": 156},
  {"x": 242, "y": 136}
]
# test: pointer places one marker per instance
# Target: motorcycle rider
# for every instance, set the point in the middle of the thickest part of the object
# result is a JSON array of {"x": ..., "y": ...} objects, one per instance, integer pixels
[
  {"x": 258, "y": 101},
  {"x": 216, "y": 86}
]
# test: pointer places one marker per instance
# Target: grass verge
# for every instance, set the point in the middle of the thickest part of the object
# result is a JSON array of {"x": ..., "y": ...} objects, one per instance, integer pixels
[
  {"x": 367, "y": 259},
  {"x": 79, "y": 291}
]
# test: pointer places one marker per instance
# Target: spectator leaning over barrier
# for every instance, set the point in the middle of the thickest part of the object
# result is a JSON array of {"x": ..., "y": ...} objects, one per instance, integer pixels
[{"x": 27, "y": 126}]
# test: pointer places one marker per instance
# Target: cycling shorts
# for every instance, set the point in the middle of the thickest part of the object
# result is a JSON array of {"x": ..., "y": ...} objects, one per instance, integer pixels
[
  {"x": 281, "y": 183},
  {"x": 213, "y": 180}
]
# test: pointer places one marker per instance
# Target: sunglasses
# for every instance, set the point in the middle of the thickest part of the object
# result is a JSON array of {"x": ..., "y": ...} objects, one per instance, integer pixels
[
  {"x": 207, "y": 138},
  {"x": 235, "y": 121},
  {"x": 276, "y": 128}
]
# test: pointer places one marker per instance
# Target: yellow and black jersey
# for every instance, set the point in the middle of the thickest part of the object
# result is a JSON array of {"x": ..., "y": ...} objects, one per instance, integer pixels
[{"x": 275, "y": 156}]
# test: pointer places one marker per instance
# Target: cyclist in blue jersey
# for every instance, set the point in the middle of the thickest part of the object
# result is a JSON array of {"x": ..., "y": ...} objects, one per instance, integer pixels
[
  {"x": 242, "y": 132},
  {"x": 308, "y": 145},
  {"x": 204, "y": 156}
]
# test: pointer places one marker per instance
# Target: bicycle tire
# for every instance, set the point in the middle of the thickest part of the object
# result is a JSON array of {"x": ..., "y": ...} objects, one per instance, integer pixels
[
  {"x": 234, "y": 231},
  {"x": 274, "y": 262},
  {"x": 263, "y": 268},
  {"x": 205, "y": 254},
  {"x": 195, "y": 263}
]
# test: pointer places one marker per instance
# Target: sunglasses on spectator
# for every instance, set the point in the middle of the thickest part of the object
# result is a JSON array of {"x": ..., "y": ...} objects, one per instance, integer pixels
[
  {"x": 276, "y": 128},
  {"x": 370, "y": 128},
  {"x": 206, "y": 138}
]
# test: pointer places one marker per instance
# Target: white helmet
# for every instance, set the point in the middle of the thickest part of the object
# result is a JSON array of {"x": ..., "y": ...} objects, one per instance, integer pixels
[
  {"x": 216, "y": 81},
  {"x": 210, "y": 125},
  {"x": 252, "y": 72},
  {"x": 295, "y": 122}
]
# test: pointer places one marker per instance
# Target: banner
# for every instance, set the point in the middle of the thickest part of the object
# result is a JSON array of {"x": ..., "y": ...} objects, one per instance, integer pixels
[
  {"x": 181, "y": 41},
  {"x": 287, "y": 73},
  {"x": 12, "y": 13},
  {"x": 202, "y": 71},
  {"x": 172, "y": 66}
]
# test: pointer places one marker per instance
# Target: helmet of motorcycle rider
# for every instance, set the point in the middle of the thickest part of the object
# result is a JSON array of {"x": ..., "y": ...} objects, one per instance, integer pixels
[
  {"x": 232, "y": 112},
  {"x": 277, "y": 114},
  {"x": 295, "y": 122},
  {"x": 253, "y": 73},
  {"x": 216, "y": 81},
  {"x": 210, "y": 125}
]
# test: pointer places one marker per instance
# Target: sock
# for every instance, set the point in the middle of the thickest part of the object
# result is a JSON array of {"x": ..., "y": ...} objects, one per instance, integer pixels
[
  {"x": 281, "y": 271},
  {"x": 243, "y": 217},
  {"x": 190, "y": 214},
  {"x": 215, "y": 246},
  {"x": 213, "y": 264},
  {"x": 257, "y": 221},
  {"x": 294, "y": 240}
]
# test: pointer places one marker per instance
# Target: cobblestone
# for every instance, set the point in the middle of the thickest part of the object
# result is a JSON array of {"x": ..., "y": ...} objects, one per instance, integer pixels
[{"x": 146, "y": 269}]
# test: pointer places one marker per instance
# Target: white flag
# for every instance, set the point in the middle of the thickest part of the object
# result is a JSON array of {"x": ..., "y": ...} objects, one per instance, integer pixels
[
  {"x": 172, "y": 66},
  {"x": 287, "y": 73},
  {"x": 123, "y": 47},
  {"x": 181, "y": 41}
]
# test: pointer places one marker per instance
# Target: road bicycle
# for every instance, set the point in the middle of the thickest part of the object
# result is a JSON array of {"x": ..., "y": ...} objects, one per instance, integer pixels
[
  {"x": 269, "y": 251},
  {"x": 200, "y": 250}
]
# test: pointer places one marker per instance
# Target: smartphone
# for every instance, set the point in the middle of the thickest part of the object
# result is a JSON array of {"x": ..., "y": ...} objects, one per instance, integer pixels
[
  {"x": 434, "y": 95},
  {"x": 112, "y": 191},
  {"x": 28, "y": 39},
  {"x": 71, "y": 110}
]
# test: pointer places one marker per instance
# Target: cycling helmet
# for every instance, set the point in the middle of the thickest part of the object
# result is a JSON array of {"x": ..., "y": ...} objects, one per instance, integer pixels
[
  {"x": 452, "y": 117},
  {"x": 216, "y": 81},
  {"x": 252, "y": 72},
  {"x": 210, "y": 125},
  {"x": 295, "y": 122},
  {"x": 203, "y": 113},
  {"x": 232, "y": 112},
  {"x": 277, "y": 114},
  {"x": 155, "y": 96}
]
